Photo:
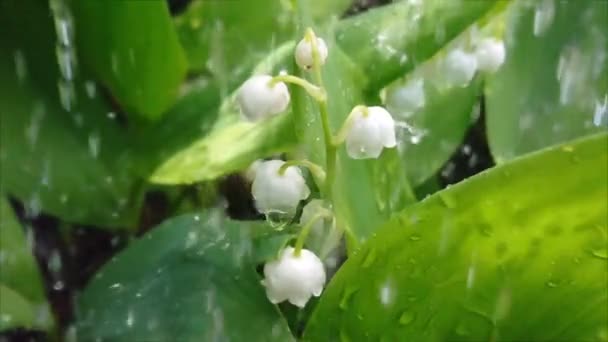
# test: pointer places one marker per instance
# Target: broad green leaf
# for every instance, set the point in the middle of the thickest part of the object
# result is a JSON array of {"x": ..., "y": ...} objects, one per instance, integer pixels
[
  {"x": 388, "y": 41},
  {"x": 191, "y": 279},
  {"x": 15, "y": 311},
  {"x": 134, "y": 50},
  {"x": 199, "y": 141},
  {"x": 61, "y": 147},
  {"x": 228, "y": 37},
  {"x": 517, "y": 253},
  {"x": 22, "y": 299},
  {"x": 553, "y": 86}
]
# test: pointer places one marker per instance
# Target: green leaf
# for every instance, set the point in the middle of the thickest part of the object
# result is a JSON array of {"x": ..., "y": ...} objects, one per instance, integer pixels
[
  {"x": 553, "y": 86},
  {"x": 227, "y": 37},
  {"x": 194, "y": 280},
  {"x": 388, "y": 41},
  {"x": 141, "y": 61},
  {"x": 61, "y": 151},
  {"x": 15, "y": 311},
  {"x": 22, "y": 303},
  {"x": 491, "y": 258},
  {"x": 188, "y": 147}
]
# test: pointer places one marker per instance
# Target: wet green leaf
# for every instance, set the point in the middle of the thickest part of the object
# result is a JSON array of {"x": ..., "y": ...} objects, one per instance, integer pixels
[
  {"x": 22, "y": 299},
  {"x": 554, "y": 84},
  {"x": 63, "y": 150},
  {"x": 388, "y": 41},
  {"x": 199, "y": 141},
  {"x": 140, "y": 60},
  {"x": 487, "y": 259},
  {"x": 195, "y": 280}
]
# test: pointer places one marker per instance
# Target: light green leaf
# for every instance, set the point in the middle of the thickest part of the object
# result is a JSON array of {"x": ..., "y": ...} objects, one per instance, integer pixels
[
  {"x": 388, "y": 41},
  {"x": 195, "y": 280},
  {"x": 22, "y": 299},
  {"x": 61, "y": 151},
  {"x": 199, "y": 141},
  {"x": 134, "y": 50},
  {"x": 517, "y": 253},
  {"x": 554, "y": 84}
]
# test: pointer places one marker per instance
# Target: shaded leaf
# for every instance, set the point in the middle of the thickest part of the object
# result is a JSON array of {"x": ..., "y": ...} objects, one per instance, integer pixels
[
  {"x": 486, "y": 259},
  {"x": 22, "y": 299},
  {"x": 195, "y": 280},
  {"x": 554, "y": 84},
  {"x": 61, "y": 150},
  {"x": 141, "y": 61}
]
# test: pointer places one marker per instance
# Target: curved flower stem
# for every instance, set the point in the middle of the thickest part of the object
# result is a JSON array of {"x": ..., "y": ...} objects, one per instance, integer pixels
[
  {"x": 330, "y": 149},
  {"x": 306, "y": 230},
  {"x": 317, "y": 171},
  {"x": 316, "y": 92},
  {"x": 339, "y": 138}
]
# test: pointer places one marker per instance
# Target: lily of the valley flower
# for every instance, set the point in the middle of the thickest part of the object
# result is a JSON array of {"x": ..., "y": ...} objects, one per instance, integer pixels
[
  {"x": 371, "y": 129},
  {"x": 459, "y": 67},
  {"x": 260, "y": 97},
  {"x": 295, "y": 278},
  {"x": 278, "y": 192},
  {"x": 303, "y": 53},
  {"x": 490, "y": 54}
]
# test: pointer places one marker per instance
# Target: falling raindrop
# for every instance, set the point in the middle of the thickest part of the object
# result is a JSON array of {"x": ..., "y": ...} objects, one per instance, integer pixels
[
  {"x": 94, "y": 142},
  {"x": 20, "y": 66},
  {"x": 543, "y": 16}
]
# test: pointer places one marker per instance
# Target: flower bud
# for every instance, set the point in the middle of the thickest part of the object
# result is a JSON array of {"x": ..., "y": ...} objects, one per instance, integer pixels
[
  {"x": 370, "y": 132},
  {"x": 490, "y": 54},
  {"x": 459, "y": 68},
  {"x": 294, "y": 278},
  {"x": 276, "y": 193},
  {"x": 303, "y": 53},
  {"x": 260, "y": 97}
]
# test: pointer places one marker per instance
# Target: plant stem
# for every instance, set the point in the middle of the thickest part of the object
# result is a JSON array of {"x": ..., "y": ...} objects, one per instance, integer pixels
[
  {"x": 330, "y": 149},
  {"x": 316, "y": 92},
  {"x": 305, "y": 231},
  {"x": 317, "y": 171}
]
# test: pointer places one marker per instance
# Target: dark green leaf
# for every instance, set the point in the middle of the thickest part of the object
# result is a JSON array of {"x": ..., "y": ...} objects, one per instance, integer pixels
[
  {"x": 22, "y": 302},
  {"x": 517, "y": 253},
  {"x": 194, "y": 280},
  {"x": 554, "y": 84},
  {"x": 388, "y": 41},
  {"x": 134, "y": 50},
  {"x": 62, "y": 149}
]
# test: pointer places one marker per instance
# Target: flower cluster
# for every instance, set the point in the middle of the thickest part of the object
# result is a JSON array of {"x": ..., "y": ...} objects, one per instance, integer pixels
[{"x": 279, "y": 187}]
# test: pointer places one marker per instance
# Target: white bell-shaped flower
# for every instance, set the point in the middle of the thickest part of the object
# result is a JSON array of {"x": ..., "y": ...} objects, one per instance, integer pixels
[
  {"x": 459, "y": 68},
  {"x": 490, "y": 54},
  {"x": 303, "y": 53},
  {"x": 407, "y": 98},
  {"x": 276, "y": 193},
  {"x": 370, "y": 132},
  {"x": 260, "y": 97},
  {"x": 294, "y": 278}
]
